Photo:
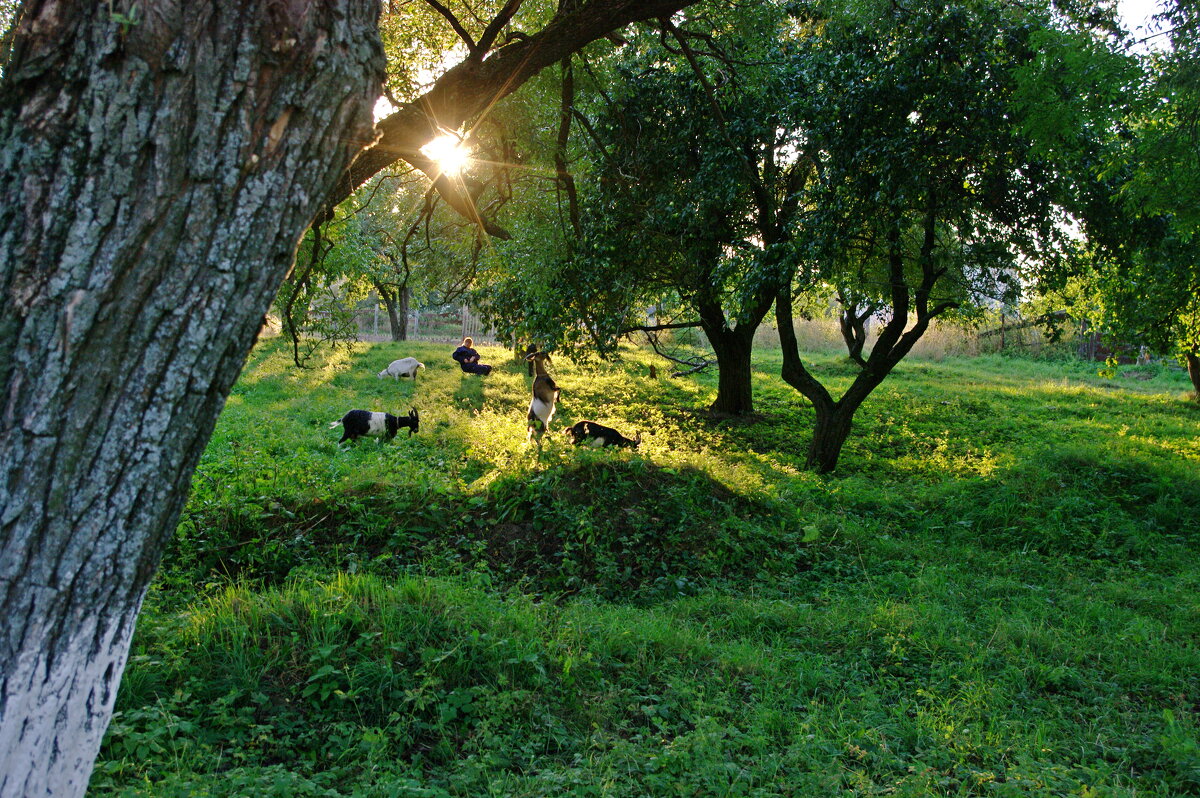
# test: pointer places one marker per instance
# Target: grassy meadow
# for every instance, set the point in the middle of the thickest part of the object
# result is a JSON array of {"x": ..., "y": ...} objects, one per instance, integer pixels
[{"x": 996, "y": 595}]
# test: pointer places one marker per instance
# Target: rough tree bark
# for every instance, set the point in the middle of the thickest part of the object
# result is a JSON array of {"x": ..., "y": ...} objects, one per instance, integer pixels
[{"x": 156, "y": 179}]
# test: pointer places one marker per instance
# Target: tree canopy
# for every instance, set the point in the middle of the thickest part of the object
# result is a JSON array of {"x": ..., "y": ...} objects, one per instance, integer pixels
[
  {"x": 1143, "y": 270},
  {"x": 884, "y": 157}
]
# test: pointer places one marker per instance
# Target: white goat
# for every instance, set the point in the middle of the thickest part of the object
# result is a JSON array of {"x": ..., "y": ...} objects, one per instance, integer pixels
[{"x": 404, "y": 367}]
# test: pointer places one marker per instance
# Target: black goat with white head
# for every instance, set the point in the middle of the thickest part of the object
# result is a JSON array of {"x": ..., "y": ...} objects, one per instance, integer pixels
[
  {"x": 364, "y": 423},
  {"x": 545, "y": 397},
  {"x": 598, "y": 435}
]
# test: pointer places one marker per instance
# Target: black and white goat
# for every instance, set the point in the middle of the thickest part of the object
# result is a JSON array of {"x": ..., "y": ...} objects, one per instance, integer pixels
[
  {"x": 404, "y": 367},
  {"x": 545, "y": 396},
  {"x": 598, "y": 435},
  {"x": 359, "y": 423}
]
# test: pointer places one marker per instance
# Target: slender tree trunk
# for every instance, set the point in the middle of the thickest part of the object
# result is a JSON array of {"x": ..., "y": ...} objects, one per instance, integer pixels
[
  {"x": 395, "y": 325},
  {"x": 156, "y": 180},
  {"x": 566, "y": 180},
  {"x": 1193, "y": 367},
  {"x": 400, "y": 331}
]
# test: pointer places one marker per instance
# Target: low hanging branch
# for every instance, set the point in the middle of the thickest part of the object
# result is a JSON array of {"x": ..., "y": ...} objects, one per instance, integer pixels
[
  {"x": 695, "y": 363},
  {"x": 683, "y": 325}
]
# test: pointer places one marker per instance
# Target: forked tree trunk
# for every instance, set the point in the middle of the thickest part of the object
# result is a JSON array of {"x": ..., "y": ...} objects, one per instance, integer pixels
[
  {"x": 854, "y": 334},
  {"x": 895, "y": 341},
  {"x": 396, "y": 304},
  {"x": 834, "y": 418},
  {"x": 733, "y": 344},
  {"x": 156, "y": 179}
]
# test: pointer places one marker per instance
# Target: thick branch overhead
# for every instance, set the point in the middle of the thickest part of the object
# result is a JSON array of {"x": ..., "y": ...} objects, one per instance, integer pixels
[{"x": 470, "y": 88}]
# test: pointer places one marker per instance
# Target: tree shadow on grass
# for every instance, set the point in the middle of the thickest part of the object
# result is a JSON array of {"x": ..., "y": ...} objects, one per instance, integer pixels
[{"x": 470, "y": 392}]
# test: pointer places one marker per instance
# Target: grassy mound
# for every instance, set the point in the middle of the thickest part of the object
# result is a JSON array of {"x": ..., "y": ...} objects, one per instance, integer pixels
[
  {"x": 627, "y": 526},
  {"x": 615, "y": 525}
]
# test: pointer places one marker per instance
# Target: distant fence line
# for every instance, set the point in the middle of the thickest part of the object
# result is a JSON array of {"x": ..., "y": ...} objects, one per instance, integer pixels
[
  {"x": 444, "y": 326},
  {"x": 1015, "y": 332},
  {"x": 813, "y": 335},
  {"x": 1030, "y": 334},
  {"x": 1027, "y": 334}
]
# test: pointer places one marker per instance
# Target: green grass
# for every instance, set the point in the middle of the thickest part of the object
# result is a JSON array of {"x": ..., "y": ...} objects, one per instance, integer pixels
[{"x": 996, "y": 595}]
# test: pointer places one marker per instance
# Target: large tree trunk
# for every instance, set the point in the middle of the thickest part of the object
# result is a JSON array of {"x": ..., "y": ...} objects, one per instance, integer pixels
[
  {"x": 732, "y": 342},
  {"x": 156, "y": 179},
  {"x": 830, "y": 432},
  {"x": 733, "y": 349}
]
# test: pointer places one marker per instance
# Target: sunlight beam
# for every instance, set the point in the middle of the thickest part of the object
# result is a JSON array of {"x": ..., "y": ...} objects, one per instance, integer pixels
[{"x": 448, "y": 152}]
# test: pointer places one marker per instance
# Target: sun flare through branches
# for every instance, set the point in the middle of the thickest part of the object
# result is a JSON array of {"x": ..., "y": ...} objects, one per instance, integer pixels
[{"x": 448, "y": 152}]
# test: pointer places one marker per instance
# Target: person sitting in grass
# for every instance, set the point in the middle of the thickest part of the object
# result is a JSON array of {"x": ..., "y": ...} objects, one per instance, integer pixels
[{"x": 468, "y": 359}]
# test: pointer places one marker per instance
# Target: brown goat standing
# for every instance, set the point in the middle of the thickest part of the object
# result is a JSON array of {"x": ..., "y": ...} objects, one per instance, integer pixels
[{"x": 545, "y": 395}]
